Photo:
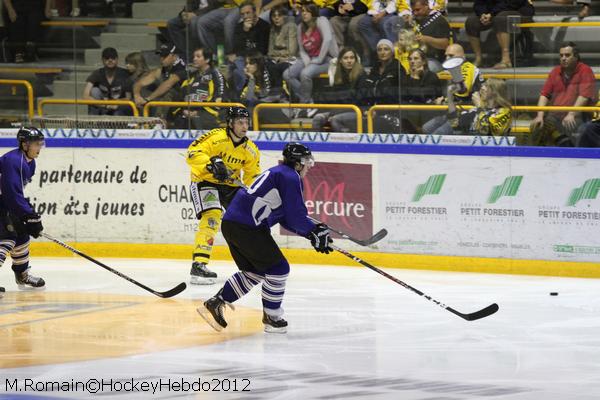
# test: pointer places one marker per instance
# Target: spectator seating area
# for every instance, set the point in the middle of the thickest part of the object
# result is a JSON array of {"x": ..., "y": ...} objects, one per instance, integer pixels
[{"x": 70, "y": 49}]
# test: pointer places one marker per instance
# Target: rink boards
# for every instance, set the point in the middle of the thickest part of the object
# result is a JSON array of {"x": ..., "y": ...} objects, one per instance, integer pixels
[{"x": 460, "y": 203}]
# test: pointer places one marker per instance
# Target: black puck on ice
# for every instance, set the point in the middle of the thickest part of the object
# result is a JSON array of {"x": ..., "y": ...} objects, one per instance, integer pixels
[{"x": 553, "y": 293}]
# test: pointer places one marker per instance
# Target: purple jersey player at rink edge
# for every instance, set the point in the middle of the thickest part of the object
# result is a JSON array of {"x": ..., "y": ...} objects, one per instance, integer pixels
[
  {"x": 275, "y": 197},
  {"x": 18, "y": 220}
]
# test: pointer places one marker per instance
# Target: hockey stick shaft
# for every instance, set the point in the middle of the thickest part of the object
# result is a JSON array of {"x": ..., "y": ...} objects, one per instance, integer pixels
[
  {"x": 169, "y": 293},
  {"x": 489, "y": 310}
]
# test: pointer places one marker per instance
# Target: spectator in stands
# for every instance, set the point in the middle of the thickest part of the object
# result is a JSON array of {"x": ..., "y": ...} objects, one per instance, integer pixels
[
  {"x": 258, "y": 90},
  {"x": 433, "y": 31},
  {"x": 251, "y": 35},
  {"x": 590, "y": 136},
  {"x": 317, "y": 48},
  {"x": 162, "y": 82},
  {"x": 422, "y": 87},
  {"x": 383, "y": 81},
  {"x": 206, "y": 84},
  {"x": 267, "y": 7},
  {"x": 223, "y": 19},
  {"x": 382, "y": 86},
  {"x": 472, "y": 77},
  {"x": 492, "y": 114},
  {"x": 572, "y": 83},
  {"x": 23, "y": 18},
  {"x": 110, "y": 82},
  {"x": 495, "y": 14},
  {"x": 183, "y": 28},
  {"x": 283, "y": 45},
  {"x": 585, "y": 10},
  {"x": 380, "y": 22},
  {"x": 407, "y": 42},
  {"x": 347, "y": 79},
  {"x": 136, "y": 66},
  {"x": 347, "y": 14}
]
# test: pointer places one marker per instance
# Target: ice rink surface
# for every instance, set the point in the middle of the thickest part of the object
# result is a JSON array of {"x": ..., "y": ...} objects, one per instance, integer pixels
[{"x": 352, "y": 335}]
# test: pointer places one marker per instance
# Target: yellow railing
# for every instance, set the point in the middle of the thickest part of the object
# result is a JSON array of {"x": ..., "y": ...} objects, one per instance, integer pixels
[
  {"x": 195, "y": 104},
  {"x": 129, "y": 103},
  {"x": 29, "y": 89},
  {"x": 408, "y": 107},
  {"x": 256, "y": 123}
]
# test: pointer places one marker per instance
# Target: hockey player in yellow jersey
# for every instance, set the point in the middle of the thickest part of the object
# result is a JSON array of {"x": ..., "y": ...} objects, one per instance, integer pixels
[{"x": 216, "y": 159}]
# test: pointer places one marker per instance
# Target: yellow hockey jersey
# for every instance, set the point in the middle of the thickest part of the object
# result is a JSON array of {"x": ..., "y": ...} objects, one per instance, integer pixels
[{"x": 242, "y": 159}]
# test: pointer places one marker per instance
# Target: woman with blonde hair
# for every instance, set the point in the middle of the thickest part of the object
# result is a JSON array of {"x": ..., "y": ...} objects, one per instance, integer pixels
[
  {"x": 348, "y": 78},
  {"x": 136, "y": 65},
  {"x": 492, "y": 114},
  {"x": 407, "y": 42}
]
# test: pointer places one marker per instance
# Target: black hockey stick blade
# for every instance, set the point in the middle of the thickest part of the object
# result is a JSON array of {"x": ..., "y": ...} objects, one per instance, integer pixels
[
  {"x": 169, "y": 293},
  {"x": 366, "y": 242},
  {"x": 172, "y": 292},
  {"x": 484, "y": 312},
  {"x": 372, "y": 240}
]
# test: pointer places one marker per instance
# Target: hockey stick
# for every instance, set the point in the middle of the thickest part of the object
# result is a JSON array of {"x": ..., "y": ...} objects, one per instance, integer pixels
[
  {"x": 366, "y": 242},
  {"x": 485, "y": 312},
  {"x": 169, "y": 293}
]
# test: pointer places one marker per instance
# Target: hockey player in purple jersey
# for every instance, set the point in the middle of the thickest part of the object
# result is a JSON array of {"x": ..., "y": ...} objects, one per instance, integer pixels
[
  {"x": 18, "y": 220},
  {"x": 275, "y": 197}
]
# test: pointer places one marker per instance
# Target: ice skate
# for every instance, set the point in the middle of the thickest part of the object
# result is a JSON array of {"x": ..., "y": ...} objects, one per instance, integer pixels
[
  {"x": 201, "y": 275},
  {"x": 26, "y": 281},
  {"x": 273, "y": 325},
  {"x": 212, "y": 312}
]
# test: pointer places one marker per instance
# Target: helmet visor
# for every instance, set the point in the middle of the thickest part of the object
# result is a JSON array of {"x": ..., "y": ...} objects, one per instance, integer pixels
[{"x": 308, "y": 160}]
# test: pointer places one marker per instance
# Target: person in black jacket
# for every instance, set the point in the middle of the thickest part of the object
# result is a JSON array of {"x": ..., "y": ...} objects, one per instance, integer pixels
[
  {"x": 494, "y": 14},
  {"x": 348, "y": 78},
  {"x": 421, "y": 87},
  {"x": 382, "y": 86},
  {"x": 251, "y": 35}
]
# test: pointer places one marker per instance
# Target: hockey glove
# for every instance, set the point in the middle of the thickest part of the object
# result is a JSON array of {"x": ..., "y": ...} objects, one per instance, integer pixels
[
  {"x": 320, "y": 238},
  {"x": 218, "y": 169},
  {"x": 33, "y": 224}
]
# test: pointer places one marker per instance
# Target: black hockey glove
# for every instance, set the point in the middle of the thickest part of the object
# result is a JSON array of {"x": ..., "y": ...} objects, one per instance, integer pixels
[
  {"x": 218, "y": 169},
  {"x": 320, "y": 238},
  {"x": 33, "y": 224}
]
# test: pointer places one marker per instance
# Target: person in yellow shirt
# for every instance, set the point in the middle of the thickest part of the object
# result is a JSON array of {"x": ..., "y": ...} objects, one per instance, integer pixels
[{"x": 217, "y": 159}]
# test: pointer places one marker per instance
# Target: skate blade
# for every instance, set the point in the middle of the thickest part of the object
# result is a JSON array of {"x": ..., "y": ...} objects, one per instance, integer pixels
[
  {"x": 195, "y": 280},
  {"x": 207, "y": 316},
  {"x": 272, "y": 329},
  {"x": 27, "y": 288}
]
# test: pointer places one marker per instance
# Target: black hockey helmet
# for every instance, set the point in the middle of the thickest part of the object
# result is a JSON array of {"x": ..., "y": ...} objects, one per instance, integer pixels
[
  {"x": 29, "y": 134},
  {"x": 237, "y": 112},
  {"x": 295, "y": 152}
]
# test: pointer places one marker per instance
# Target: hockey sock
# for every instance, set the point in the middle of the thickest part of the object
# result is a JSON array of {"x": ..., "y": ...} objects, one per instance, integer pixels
[
  {"x": 239, "y": 284},
  {"x": 5, "y": 247},
  {"x": 273, "y": 286},
  {"x": 20, "y": 256}
]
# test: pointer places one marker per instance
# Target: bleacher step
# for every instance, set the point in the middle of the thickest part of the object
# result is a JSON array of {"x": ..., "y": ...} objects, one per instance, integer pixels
[
  {"x": 161, "y": 9},
  {"x": 139, "y": 41}
]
